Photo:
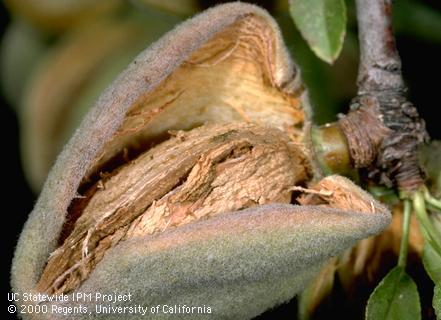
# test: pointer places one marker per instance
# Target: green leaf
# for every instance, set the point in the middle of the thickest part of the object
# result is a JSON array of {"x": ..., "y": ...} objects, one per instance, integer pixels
[
  {"x": 322, "y": 23},
  {"x": 437, "y": 301},
  {"x": 395, "y": 298},
  {"x": 432, "y": 263}
]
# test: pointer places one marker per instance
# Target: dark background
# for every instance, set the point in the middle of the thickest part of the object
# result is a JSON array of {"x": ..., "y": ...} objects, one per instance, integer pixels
[
  {"x": 16, "y": 196},
  {"x": 421, "y": 68}
]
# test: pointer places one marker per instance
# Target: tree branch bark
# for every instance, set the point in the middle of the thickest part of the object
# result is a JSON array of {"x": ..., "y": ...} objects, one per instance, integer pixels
[
  {"x": 383, "y": 128},
  {"x": 380, "y": 64}
]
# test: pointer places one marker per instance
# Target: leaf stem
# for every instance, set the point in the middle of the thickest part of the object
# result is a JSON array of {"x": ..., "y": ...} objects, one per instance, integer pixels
[
  {"x": 404, "y": 246},
  {"x": 433, "y": 237},
  {"x": 432, "y": 200},
  {"x": 433, "y": 208}
]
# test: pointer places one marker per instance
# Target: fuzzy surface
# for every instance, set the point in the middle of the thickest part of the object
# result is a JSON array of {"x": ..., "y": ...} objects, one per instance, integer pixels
[
  {"x": 41, "y": 231},
  {"x": 240, "y": 264}
]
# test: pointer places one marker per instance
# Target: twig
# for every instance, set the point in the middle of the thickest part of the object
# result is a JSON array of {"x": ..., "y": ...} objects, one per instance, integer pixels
[
  {"x": 393, "y": 135},
  {"x": 404, "y": 246},
  {"x": 380, "y": 64}
]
